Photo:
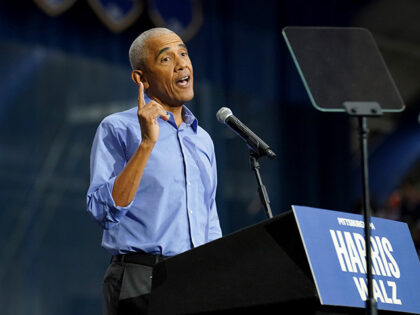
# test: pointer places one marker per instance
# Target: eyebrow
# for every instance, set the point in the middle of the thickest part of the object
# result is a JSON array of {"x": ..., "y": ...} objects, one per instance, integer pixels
[{"x": 167, "y": 48}]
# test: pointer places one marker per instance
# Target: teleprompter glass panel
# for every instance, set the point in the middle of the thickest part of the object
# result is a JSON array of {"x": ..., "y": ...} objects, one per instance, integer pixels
[{"x": 340, "y": 65}]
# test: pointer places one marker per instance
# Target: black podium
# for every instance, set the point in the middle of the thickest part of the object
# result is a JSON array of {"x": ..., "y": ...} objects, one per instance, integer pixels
[{"x": 262, "y": 269}]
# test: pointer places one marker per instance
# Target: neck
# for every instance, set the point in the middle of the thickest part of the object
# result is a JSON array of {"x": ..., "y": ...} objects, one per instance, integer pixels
[{"x": 175, "y": 110}]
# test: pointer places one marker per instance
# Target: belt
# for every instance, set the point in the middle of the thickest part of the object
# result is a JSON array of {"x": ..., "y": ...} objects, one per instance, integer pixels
[{"x": 140, "y": 258}]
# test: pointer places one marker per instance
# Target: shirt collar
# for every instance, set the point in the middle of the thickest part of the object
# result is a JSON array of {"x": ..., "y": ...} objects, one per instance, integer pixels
[{"x": 187, "y": 116}]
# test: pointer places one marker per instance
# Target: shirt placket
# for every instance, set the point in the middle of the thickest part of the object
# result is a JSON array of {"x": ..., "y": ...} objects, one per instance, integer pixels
[{"x": 187, "y": 174}]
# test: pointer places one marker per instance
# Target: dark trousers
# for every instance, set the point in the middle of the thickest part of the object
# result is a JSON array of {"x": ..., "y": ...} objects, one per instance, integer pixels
[{"x": 127, "y": 284}]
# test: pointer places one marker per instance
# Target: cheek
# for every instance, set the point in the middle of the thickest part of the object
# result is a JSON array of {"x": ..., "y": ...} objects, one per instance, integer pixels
[{"x": 162, "y": 81}]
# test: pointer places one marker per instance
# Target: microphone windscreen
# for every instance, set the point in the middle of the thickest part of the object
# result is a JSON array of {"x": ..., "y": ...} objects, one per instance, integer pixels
[{"x": 222, "y": 114}]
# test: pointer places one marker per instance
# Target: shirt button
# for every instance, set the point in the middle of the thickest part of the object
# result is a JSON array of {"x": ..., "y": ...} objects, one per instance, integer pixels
[
  {"x": 190, "y": 211},
  {"x": 189, "y": 183}
]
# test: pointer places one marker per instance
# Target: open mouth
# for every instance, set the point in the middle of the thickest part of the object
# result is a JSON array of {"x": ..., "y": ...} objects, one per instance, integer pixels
[{"x": 184, "y": 81}]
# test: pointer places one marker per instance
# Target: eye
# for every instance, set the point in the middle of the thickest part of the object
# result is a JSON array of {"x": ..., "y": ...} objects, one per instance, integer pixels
[
  {"x": 165, "y": 59},
  {"x": 184, "y": 54}
]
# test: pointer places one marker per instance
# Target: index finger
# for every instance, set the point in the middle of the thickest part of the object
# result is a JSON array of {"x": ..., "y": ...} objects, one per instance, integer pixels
[{"x": 140, "y": 99}]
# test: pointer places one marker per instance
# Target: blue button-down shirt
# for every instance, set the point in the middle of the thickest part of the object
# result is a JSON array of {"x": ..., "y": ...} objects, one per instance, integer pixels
[{"x": 174, "y": 209}]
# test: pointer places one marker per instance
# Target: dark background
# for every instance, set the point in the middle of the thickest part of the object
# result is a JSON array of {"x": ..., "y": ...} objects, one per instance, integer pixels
[{"x": 61, "y": 75}]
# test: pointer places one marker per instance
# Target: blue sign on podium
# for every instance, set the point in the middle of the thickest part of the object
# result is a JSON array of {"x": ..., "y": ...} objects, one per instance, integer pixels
[{"x": 335, "y": 247}]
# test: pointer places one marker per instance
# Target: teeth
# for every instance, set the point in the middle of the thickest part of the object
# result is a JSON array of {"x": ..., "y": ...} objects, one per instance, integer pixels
[{"x": 184, "y": 80}]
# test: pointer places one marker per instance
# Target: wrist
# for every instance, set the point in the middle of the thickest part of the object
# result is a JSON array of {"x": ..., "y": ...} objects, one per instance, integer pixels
[{"x": 147, "y": 144}]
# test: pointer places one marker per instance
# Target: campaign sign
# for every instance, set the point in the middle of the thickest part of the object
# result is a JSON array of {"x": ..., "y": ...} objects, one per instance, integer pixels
[{"x": 335, "y": 246}]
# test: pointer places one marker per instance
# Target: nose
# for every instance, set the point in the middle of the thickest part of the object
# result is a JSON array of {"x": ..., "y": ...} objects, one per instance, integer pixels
[{"x": 181, "y": 64}]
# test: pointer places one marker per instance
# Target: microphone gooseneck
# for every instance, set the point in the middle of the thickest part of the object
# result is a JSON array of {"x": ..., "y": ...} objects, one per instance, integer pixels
[{"x": 260, "y": 148}]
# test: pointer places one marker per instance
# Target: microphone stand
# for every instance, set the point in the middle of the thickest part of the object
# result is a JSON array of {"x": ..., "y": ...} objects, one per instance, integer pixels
[{"x": 262, "y": 191}]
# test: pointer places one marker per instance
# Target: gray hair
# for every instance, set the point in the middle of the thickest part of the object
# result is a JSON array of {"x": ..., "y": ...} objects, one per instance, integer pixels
[{"x": 138, "y": 49}]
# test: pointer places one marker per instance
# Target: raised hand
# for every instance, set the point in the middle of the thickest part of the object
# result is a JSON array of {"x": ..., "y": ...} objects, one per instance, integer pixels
[
  {"x": 148, "y": 115},
  {"x": 127, "y": 182}
]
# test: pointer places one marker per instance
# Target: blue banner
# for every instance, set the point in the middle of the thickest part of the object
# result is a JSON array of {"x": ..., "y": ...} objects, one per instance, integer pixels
[
  {"x": 117, "y": 15},
  {"x": 54, "y": 7},
  {"x": 335, "y": 246},
  {"x": 184, "y": 17}
]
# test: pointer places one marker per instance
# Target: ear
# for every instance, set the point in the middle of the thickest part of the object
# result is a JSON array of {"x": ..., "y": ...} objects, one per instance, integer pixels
[{"x": 138, "y": 76}]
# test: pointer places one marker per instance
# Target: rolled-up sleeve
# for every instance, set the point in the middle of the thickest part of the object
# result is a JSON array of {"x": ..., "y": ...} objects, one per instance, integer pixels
[{"x": 107, "y": 160}]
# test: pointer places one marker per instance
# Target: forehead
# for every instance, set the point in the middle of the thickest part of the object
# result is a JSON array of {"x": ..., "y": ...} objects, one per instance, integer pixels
[{"x": 157, "y": 43}]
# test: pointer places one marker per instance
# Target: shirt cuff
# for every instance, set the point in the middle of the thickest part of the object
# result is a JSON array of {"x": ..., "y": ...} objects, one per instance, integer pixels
[{"x": 113, "y": 212}]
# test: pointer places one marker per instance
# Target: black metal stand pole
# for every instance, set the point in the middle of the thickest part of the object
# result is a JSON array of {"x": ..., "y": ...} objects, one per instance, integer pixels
[
  {"x": 363, "y": 135},
  {"x": 255, "y": 165}
]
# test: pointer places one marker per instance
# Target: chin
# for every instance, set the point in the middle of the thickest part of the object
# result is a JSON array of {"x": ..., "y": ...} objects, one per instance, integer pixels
[
  {"x": 186, "y": 97},
  {"x": 190, "y": 96}
]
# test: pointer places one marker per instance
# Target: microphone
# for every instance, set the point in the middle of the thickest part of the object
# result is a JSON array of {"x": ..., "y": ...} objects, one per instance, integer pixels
[{"x": 225, "y": 116}]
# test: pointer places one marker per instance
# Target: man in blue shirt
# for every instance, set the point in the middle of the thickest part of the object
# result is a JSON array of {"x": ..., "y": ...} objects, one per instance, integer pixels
[{"x": 153, "y": 174}]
